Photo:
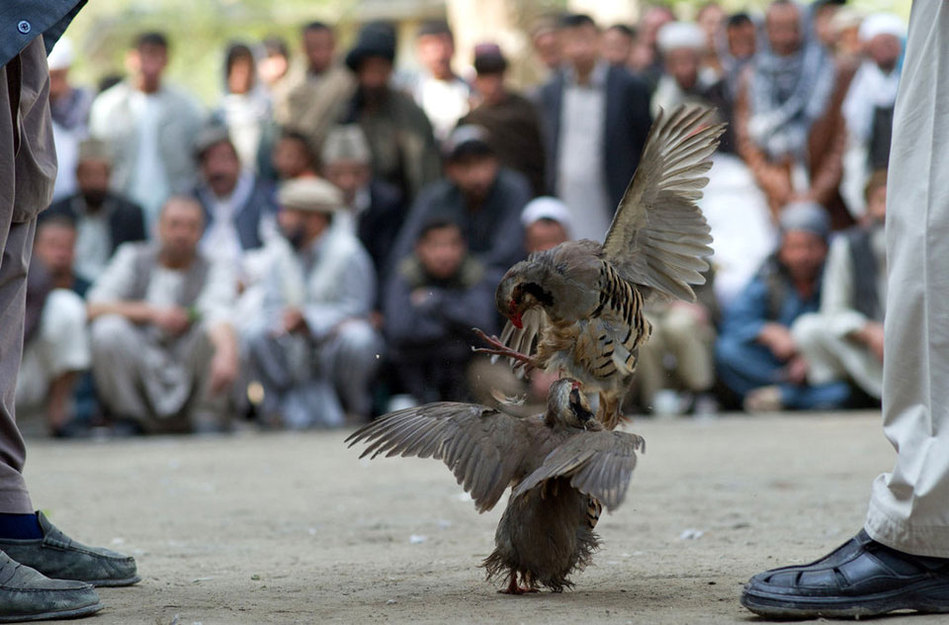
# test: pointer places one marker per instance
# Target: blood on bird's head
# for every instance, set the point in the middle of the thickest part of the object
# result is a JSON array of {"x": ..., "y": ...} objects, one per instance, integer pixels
[{"x": 515, "y": 315}]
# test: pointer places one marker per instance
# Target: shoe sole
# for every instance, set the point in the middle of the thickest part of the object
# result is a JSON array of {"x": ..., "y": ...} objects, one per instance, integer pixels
[
  {"x": 106, "y": 583},
  {"x": 54, "y": 615},
  {"x": 927, "y": 597}
]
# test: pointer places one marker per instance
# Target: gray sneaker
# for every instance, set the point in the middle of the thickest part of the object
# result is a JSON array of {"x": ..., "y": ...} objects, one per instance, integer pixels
[
  {"x": 60, "y": 557},
  {"x": 27, "y": 595}
]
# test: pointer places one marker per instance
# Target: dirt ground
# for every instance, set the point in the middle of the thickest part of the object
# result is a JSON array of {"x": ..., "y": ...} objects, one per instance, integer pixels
[{"x": 293, "y": 528}]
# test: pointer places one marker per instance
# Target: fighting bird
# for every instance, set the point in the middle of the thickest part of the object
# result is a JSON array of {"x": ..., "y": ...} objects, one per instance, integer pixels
[
  {"x": 560, "y": 465},
  {"x": 577, "y": 309}
]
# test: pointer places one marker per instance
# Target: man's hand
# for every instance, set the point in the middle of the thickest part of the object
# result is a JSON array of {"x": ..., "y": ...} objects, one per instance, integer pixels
[
  {"x": 871, "y": 335},
  {"x": 796, "y": 370},
  {"x": 223, "y": 370},
  {"x": 173, "y": 320},
  {"x": 778, "y": 339},
  {"x": 293, "y": 321}
]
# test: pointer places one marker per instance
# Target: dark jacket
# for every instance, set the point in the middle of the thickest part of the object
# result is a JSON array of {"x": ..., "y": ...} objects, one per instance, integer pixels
[
  {"x": 24, "y": 20},
  {"x": 627, "y": 124},
  {"x": 378, "y": 225},
  {"x": 261, "y": 202},
  {"x": 126, "y": 219},
  {"x": 494, "y": 231}
]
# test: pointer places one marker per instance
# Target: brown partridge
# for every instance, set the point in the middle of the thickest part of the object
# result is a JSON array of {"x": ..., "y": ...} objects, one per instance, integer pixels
[
  {"x": 561, "y": 466},
  {"x": 577, "y": 309}
]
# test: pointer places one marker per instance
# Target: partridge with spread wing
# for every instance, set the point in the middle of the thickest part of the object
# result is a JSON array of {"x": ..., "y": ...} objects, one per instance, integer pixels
[
  {"x": 561, "y": 465},
  {"x": 577, "y": 309}
]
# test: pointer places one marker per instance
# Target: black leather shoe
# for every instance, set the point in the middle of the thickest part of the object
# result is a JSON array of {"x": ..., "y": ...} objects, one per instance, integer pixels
[{"x": 860, "y": 578}]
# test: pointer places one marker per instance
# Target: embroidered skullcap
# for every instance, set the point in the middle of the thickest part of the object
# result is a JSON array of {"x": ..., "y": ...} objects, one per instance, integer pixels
[
  {"x": 546, "y": 207},
  {"x": 882, "y": 24},
  {"x": 675, "y": 35}
]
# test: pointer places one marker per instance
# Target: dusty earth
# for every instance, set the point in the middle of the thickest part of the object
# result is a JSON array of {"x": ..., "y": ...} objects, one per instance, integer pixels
[{"x": 293, "y": 528}]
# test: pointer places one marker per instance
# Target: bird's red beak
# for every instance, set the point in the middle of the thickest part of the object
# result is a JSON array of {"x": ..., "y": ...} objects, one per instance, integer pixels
[{"x": 514, "y": 315}]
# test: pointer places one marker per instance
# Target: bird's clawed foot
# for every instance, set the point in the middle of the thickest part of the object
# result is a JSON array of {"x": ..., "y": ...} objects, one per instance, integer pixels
[
  {"x": 514, "y": 589},
  {"x": 500, "y": 349}
]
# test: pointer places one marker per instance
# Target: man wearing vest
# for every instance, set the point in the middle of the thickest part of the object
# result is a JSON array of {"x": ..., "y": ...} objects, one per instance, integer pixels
[
  {"x": 313, "y": 348},
  {"x": 164, "y": 353},
  {"x": 845, "y": 340}
]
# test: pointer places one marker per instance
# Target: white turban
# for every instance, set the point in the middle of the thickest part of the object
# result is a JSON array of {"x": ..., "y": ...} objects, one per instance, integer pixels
[
  {"x": 676, "y": 35},
  {"x": 882, "y": 24}
]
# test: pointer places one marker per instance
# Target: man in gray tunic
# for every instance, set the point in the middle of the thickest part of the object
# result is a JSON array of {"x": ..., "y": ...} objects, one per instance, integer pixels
[
  {"x": 32, "y": 550},
  {"x": 164, "y": 352},
  {"x": 900, "y": 559}
]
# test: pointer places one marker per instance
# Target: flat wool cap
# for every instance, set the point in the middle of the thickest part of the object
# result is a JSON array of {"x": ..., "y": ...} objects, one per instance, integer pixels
[{"x": 310, "y": 194}]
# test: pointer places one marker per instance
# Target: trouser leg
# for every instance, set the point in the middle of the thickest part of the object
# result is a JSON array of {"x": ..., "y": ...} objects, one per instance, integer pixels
[
  {"x": 16, "y": 242},
  {"x": 690, "y": 341},
  {"x": 351, "y": 359},
  {"x": 650, "y": 376},
  {"x": 909, "y": 508},
  {"x": 116, "y": 366}
]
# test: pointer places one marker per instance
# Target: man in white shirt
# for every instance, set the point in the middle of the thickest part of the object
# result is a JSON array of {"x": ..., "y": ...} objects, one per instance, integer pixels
[{"x": 150, "y": 128}]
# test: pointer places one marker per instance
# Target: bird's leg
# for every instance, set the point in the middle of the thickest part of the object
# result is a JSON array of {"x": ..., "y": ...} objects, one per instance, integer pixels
[
  {"x": 500, "y": 349},
  {"x": 514, "y": 589}
]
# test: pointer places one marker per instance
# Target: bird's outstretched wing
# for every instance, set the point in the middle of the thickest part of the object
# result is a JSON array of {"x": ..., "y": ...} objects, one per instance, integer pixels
[
  {"x": 483, "y": 447},
  {"x": 524, "y": 339},
  {"x": 659, "y": 238},
  {"x": 598, "y": 464}
]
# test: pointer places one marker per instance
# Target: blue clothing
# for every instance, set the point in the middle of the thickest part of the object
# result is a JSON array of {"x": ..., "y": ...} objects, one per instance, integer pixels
[
  {"x": 22, "y": 21},
  {"x": 743, "y": 364}
]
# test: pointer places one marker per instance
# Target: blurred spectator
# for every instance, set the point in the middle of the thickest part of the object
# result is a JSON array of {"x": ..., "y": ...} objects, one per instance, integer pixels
[
  {"x": 682, "y": 46},
  {"x": 546, "y": 43},
  {"x": 511, "y": 120},
  {"x": 846, "y": 25},
  {"x": 275, "y": 63},
  {"x": 738, "y": 51},
  {"x": 104, "y": 220},
  {"x": 316, "y": 93},
  {"x": 164, "y": 353},
  {"x": 845, "y": 340},
  {"x": 438, "y": 90},
  {"x": 711, "y": 19},
  {"x": 69, "y": 107},
  {"x": 245, "y": 108},
  {"x": 400, "y": 136},
  {"x": 596, "y": 118},
  {"x": 823, "y": 14},
  {"x": 432, "y": 301},
  {"x": 479, "y": 195},
  {"x": 546, "y": 221},
  {"x": 149, "y": 128},
  {"x": 547, "y": 224},
  {"x": 55, "y": 246},
  {"x": 788, "y": 122},
  {"x": 292, "y": 156},
  {"x": 313, "y": 349},
  {"x": 645, "y": 60},
  {"x": 56, "y": 343},
  {"x": 758, "y": 353},
  {"x": 373, "y": 209},
  {"x": 617, "y": 42},
  {"x": 678, "y": 356},
  {"x": 868, "y": 107},
  {"x": 239, "y": 208}
]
